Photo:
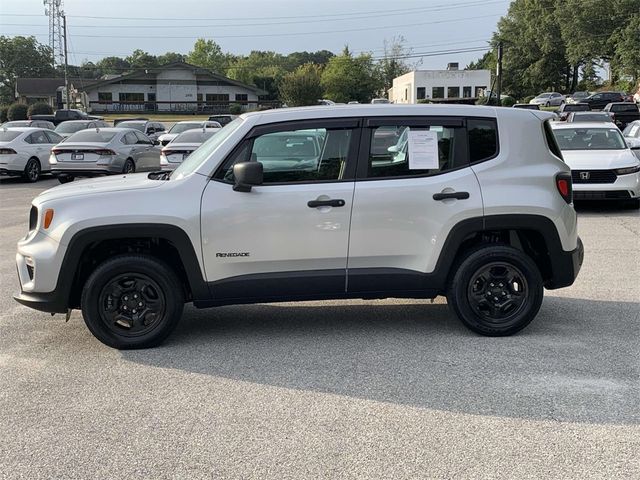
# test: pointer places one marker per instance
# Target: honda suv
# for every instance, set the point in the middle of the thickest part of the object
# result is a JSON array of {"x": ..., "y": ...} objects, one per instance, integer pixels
[{"x": 474, "y": 203}]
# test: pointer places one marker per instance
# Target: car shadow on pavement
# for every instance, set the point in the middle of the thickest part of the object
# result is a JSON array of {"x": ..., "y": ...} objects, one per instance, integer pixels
[{"x": 561, "y": 367}]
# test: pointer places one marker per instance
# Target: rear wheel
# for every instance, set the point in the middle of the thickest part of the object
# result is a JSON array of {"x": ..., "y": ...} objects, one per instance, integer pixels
[
  {"x": 132, "y": 301},
  {"x": 496, "y": 290},
  {"x": 129, "y": 166},
  {"x": 32, "y": 170}
]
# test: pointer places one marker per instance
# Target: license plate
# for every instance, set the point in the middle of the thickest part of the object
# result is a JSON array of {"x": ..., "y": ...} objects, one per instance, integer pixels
[{"x": 77, "y": 156}]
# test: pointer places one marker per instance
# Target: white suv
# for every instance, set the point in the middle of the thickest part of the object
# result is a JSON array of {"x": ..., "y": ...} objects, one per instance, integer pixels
[{"x": 363, "y": 201}]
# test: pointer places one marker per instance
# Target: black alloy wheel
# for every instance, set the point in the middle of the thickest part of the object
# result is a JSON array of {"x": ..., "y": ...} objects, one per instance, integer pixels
[{"x": 129, "y": 166}]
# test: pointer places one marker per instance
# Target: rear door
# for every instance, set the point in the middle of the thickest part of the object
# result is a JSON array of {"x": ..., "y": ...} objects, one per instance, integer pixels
[
  {"x": 408, "y": 196},
  {"x": 148, "y": 156}
]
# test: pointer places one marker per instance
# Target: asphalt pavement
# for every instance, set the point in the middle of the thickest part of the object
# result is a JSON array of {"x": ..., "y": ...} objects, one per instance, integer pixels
[{"x": 338, "y": 389}]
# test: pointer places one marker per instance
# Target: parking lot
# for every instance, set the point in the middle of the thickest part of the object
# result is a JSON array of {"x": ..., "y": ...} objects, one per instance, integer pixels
[{"x": 339, "y": 389}]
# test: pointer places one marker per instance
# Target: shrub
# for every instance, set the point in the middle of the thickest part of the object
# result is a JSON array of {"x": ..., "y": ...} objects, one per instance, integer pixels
[
  {"x": 3, "y": 113},
  {"x": 40, "y": 109},
  {"x": 235, "y": 109},
  {"x": 424, "y": 100},
  {"x": 17, "y": 111},
  {"x": 508, "y": 102},
  {"x": 528, "y": 99},
  {"x": 485, "y": 101}
]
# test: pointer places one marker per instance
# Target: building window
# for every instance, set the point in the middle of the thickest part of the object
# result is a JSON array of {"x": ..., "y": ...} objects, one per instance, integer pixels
[
  {"x": 105, "y": 96},
  {"x": 466, "y": 92},
  {"x": 131, "y": 97},
  {"x": 480, "y": 91},
  {"x": 242, "y": 97},
  {"x": 437, "y": 92},
  {"x": 422, "y": 93},
  {"x": 199, "y": 97},
  {"x": 217, "y": 97},
  {"x": 453, "y": 92}
]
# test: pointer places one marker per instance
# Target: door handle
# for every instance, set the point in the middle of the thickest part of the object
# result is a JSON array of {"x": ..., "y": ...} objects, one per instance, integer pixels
[
  {"x": 326, "y": 203},
  {"x": 456, "y": 195}
]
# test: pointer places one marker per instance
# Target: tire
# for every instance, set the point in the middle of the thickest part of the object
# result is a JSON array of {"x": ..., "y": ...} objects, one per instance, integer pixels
[
  {"x": 547, "y": 104},
  {"x": 123, "y": 284},
  {"x": 66, "y": 178},
  {"x": 32, "y": 170},
  {"x": 634, "y": 204},
  {"x": 474, "y": 298},
  {"x": 129, "y": 166}
]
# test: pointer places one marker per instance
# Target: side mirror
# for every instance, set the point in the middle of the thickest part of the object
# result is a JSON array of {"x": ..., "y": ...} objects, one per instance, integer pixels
[{"x": 247, "y": 174}]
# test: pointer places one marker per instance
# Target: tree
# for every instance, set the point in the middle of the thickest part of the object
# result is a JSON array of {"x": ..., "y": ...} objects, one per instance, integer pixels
[
  {"x": 302, "y": 86},
  {"x": 394, "y": 62},
  {"x": 39, "y": 109},
  {"x": 347, "y": 78},
  {"x": 22, "y": 57},
  {"x": 140, "y": 59},
  {"x": 208, "y": 54},
  {"x": 296, "y": 59},
  {"x": 17, "y": 111},
  {"x": 170, "y": 57},
  {"x": 112, "y": 66}
]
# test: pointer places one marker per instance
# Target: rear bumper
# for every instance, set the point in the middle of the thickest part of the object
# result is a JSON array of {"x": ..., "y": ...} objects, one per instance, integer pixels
[
  {"x": 78, "y": 172},
  {"x": 566, "y": 267}
]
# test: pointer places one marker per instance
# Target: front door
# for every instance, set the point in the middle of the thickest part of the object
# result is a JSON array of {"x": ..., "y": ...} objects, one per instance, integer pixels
[
  {"x": 414, "y": 183},
  {"x": 287, "y": 238}
]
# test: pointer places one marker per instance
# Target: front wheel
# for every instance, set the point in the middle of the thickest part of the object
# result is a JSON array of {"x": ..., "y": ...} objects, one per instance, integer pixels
[
  {"x": 132, "y": 301},
  {"x": 496, "y": 290},
  {"x": 32, "y": 170}
]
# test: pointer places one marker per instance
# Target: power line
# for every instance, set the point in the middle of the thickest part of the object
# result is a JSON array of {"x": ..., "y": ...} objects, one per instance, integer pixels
[
  {"x": 475, "y": 3},
  {"x": 264, "y": 35}
]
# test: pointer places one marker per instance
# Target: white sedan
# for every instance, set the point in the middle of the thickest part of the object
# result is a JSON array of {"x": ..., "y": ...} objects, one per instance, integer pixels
[
  {"x": 602, "y": 165},
  {"x": 180, "y": 127},
  {"x": 549, "y": 99},
  {"x": 183, "y": 145},
  {"x": 25, "y": 151}
]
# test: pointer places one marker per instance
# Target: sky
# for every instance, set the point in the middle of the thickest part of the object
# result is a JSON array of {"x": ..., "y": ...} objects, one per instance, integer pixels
[{"x": 99, "y": 28}]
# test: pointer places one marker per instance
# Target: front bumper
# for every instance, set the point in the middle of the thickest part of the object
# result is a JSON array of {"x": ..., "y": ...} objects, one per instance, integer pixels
[
  {"x": 625, "y": 187},
  {"x": 566, "y": 267}
]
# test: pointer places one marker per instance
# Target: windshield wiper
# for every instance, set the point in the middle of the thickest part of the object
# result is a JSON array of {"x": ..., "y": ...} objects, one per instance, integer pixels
[{"x": 160, "y": 175}]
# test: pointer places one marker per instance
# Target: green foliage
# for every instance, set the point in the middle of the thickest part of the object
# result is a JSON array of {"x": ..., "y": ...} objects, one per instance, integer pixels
[
  {"x": 170, "y": 57},
  {"x": 3, "y": 113},
  {"x": 40, "y": 109},
  {"x": 235, "y": 109},
  {"x": 528, "y": 98},
  {"x": 302, "y": 86},
  {"x": 140, "y": 59},
  {"x": 22, "y": 57},
  {"x": 487, "y": 101},
  {"x": 347, "y": 78},
  {"x": 17, "y": 111},
  {"x": 208, "y": 54},
  {"x": 112, "y": 66},
  {"x": 425, "y": 100},
  {"x": 508, "y": 102},
  {"x": 394, "y": 62}
]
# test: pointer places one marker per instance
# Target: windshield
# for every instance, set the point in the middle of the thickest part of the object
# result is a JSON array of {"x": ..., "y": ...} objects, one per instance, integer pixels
[
  {"x": 91, "y": 136},
  {"x": 592, "y": 117},
  {"x": 193, "y": 137},
  {"x": 544, "y": 95},
  {"x": 194, "y": 160},
  {"x": 182, "y": 127},
  {"x": 7, "y": 136},
  {"x": 589, "y": 139},
  {"x": 135, "y": 125},
  {"x": 65, "y": 127}
]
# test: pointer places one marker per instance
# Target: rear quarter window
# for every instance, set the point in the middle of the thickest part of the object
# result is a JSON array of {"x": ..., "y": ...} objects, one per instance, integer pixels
[{"x": 483, "y": 139}]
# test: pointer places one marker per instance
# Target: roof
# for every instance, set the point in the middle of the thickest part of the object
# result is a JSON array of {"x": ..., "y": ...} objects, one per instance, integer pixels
[
  {"x": 38, "y": 86},
  {"x": 151, "y": 74}
]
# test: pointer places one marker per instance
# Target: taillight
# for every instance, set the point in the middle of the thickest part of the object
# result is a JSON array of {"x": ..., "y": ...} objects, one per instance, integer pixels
[
  {"x": 7, "y": 151},
  {"x": 564, "y": 185},
  {"x": 104, "y": 152}
]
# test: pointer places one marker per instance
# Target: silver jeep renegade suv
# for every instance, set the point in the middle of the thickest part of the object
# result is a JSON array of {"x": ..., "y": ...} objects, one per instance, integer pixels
[{"x": 364, "y": 201}]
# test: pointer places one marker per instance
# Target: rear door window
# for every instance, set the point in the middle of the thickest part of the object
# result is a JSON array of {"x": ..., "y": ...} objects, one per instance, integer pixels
[{"x": 483, "y": 139}]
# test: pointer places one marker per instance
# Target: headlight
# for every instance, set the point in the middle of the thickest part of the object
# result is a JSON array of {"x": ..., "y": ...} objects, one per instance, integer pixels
[{"x": 628, "y": 170}]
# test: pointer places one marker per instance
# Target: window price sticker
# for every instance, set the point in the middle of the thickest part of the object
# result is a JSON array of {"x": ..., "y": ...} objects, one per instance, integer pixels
[{"x": 423, "y": 150}]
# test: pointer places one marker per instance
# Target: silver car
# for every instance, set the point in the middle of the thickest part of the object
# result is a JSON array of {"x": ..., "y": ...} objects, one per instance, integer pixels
[
  {"x": 68, "y": 128},
  {"x": 24, "y": 151},
  {"x": 180, "y": 127},
  {"x": 183, "y": 145},
  {"x": 549, "y": 99},
  {"x": 29, "y": 123},
  {"x": 104, "y": 151},
  {"x": 632, "y": 137}
]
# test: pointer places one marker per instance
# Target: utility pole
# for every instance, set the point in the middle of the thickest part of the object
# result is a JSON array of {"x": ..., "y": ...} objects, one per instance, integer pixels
[
  {"x": 66, "y": 61},
  {"x": 499, "y": 74}
]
